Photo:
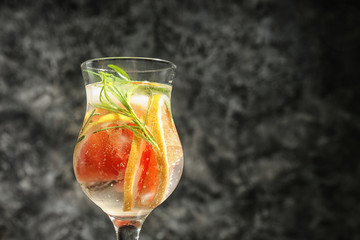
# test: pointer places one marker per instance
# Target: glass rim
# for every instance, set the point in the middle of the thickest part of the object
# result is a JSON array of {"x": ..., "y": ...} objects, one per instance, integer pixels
[{"x": 157, "y": 60}]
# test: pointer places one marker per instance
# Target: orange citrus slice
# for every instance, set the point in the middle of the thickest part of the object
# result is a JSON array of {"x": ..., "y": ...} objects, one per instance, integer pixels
[
  {"x": 130, "y": 173},
  {"x": 155, "y": 125},
  {"x": 112, "y": 117},
  {"x": 99, "y": 117}
]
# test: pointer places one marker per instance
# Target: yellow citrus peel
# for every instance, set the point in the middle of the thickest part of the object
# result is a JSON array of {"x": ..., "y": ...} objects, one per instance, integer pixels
[
  {"x": 107, "y": 118},
  {"x": 112, "y": 117},
  {"x": 154, "y": 123},
  {"x": 130, "y": 173}
]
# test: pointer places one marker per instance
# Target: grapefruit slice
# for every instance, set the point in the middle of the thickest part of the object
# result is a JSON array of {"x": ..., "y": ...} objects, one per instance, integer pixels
[
  {"x": 130, "y": 173},
  {"x": 155, "y": 125}
]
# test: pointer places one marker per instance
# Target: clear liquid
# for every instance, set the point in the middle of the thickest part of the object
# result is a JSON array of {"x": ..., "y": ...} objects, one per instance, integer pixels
[
  {"x": 109, "y": 198},
  {"x": 108, "y": 192}
]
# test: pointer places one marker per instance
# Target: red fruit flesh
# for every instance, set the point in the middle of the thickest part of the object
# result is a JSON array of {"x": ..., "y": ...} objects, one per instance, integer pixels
[
  {"x": 104, "y": 156},
  {"x": 148, "y": 181}
]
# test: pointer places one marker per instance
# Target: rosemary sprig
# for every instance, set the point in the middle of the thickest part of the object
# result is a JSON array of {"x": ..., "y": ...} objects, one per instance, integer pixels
[
  {"x": 80, "y": 138},
  {"x": 111, "y": 87},
  {"x": 87, "y": 121},
  {"x": 120, "y": 71}
]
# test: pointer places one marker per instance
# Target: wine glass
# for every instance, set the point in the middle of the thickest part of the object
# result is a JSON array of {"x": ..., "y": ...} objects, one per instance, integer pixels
[{"x": 128, "y": 157}]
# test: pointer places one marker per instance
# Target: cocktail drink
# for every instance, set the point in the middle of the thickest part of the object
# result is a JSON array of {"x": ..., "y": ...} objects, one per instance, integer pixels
[{"x": 128, "y": 158}]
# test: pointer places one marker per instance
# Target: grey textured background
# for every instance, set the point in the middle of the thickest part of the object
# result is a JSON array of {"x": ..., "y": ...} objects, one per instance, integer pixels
[{"x": 265, "y": 102}]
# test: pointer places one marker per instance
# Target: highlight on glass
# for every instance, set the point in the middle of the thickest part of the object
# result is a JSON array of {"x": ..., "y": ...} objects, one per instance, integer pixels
[{"x": 128, "y": 157}]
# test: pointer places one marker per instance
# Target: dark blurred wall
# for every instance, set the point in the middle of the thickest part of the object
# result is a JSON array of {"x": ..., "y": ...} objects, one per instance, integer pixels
[{"x": 265, "y": 101}]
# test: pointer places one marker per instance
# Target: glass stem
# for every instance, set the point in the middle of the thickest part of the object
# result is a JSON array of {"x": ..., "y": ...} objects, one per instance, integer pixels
[
  {"x": 129, "y": 232},
  {"x": 127, "y": 229}
]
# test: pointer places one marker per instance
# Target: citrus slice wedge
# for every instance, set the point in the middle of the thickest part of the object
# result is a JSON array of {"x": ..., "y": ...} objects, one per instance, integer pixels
[
  {"x": 155, "y": 125},
  {"x": 130, "y": 173},
  {"x": 112, "y": 117},
  {"x": 98, "y": 117}
]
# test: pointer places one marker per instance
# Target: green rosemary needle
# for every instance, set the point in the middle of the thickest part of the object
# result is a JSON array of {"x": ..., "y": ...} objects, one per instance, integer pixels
[{"x": 112, "y": 87}]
